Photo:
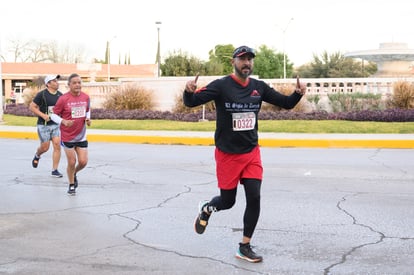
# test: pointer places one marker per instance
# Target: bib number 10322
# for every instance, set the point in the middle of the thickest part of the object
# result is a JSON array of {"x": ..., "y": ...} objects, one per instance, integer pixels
[{"x": 243, "y": 121}]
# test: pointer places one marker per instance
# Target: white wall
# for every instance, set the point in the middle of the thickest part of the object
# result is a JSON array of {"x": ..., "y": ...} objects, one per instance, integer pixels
[{"x": 166, "y": 88}]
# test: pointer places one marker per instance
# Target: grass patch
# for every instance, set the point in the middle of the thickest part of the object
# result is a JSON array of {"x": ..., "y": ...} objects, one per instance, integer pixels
[{"x": 276, "y": 126}]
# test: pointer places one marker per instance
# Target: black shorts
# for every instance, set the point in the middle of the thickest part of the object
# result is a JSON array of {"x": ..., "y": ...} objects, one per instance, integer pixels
[{"x": 80, "y": 144}]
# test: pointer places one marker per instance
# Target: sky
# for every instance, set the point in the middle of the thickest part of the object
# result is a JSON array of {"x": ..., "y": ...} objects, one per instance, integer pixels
[{"x": 300, "y": 28}]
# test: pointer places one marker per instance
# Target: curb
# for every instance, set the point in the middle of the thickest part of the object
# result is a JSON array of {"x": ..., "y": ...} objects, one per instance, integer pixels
[{"x": 187, "y": 138}]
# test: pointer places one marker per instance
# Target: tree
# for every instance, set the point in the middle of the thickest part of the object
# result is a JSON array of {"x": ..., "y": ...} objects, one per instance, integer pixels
[
  {"x": 37, "y": 51},
  {"x": 53, "y": 51},
  {"x": 214, "y": 68},
  {"x": 269, "y": 64},
  {"x": 335, "y": 66},
  {"x": 181, "y": 64},
  {"x": 17, "y": 49},
  {"x": 222, "y": 54}
]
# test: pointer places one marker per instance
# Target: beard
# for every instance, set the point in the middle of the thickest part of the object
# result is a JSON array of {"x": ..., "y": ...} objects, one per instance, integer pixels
[{"x": 244, "y": 72}]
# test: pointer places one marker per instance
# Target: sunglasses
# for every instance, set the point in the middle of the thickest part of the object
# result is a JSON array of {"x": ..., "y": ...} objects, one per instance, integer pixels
[{"x": 243, "y": 50}]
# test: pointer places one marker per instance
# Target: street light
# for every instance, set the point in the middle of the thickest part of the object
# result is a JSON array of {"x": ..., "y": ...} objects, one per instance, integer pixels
[
  {"x": 158, "y": 23},
  {"x": 108, "y": 57},
  {"x": 284, "y": 51}
]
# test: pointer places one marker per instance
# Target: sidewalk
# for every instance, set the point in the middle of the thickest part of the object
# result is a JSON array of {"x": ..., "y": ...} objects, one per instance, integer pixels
[{"x": 402, "y": 141}]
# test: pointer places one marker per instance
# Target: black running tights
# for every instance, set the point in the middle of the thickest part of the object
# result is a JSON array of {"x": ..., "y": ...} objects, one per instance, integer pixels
[{"x": 227, "y": 199}]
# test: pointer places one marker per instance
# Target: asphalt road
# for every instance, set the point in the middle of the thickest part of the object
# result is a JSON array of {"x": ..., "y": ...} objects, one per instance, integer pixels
[{"x": 324, "y": 211}]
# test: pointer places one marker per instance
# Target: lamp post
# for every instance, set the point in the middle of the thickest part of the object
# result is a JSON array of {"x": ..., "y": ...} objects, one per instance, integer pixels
[
  {"x": 158, "y": 23},
  {"x": 284, "y": 51},
  {"x": 109, "y": 58}
]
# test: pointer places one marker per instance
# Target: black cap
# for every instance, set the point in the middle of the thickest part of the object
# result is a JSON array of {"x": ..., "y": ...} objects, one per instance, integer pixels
[{"x": 242, "y": 50}]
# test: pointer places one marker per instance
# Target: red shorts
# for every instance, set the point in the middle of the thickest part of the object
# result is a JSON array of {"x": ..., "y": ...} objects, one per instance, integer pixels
[{"x": 230, "y": 168}]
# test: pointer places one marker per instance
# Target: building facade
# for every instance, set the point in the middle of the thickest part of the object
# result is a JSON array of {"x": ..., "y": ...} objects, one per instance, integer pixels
[{"x": 17, "y": 76}]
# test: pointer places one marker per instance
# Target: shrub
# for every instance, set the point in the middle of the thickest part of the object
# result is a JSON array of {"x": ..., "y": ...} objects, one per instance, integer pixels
[
  {"x": 286, "y": 90},
  {"x": 18, "y": 110},
  {"x": 389, "y": 115},
  {"x": 403, "y": 96},
  {"x": 342, "y": 102},
  {"x": 313, "y": 99},
  {"x": 29, "y": 94},
  {"x": 179, "y": 106},
  {"x": 130, "y": 97}
]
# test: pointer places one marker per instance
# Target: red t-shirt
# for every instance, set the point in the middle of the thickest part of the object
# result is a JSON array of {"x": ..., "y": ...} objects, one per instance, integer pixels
[{"x": 71, "y": 107}]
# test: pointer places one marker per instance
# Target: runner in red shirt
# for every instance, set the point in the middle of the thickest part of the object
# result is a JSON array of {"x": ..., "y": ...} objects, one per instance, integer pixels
[
  {"x": 238, "y": 99},
  {"x": 72, "y": 113}
]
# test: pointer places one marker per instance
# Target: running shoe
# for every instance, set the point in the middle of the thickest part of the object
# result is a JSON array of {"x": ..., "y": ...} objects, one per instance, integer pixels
[
  {"x": 201, "y": 221},
  {"x": 56, "y": 174},
  {"x": 75, "y": 179},
  {"x": 35, "y": 161},
  {"x": 245, "y": 252},
  {"x": 72, "y": 189}
]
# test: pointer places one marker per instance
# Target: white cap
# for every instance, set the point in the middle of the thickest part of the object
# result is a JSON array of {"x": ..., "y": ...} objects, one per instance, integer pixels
[{"x": 51, "y": 77}]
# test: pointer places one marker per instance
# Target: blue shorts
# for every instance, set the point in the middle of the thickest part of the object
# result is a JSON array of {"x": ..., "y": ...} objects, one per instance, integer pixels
[{"x": 47, "y": 132}]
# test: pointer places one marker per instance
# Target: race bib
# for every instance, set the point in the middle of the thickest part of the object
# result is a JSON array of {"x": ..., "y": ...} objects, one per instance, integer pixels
[
  {"x": 78, "y": 112},
  {"x": 50, "y": 109},
  {"x": 243, "y": 121}
]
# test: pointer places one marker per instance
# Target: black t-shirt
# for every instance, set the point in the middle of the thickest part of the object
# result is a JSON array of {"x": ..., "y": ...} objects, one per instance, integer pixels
[
  {"x": 46, "y": 101},
  {"x": 237, "y": 108}
]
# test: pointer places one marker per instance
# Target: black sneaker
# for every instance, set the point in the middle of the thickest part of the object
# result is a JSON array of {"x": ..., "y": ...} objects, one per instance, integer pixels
[
  {"x": 201, "y": 221},
  {"x": 75, "y": 179},
  {"x": 56, "y": 174},
  {"x": 72, "y": 189},
  {"x": 35, "y": 161},
  {"x": 245, "y": 252}
]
